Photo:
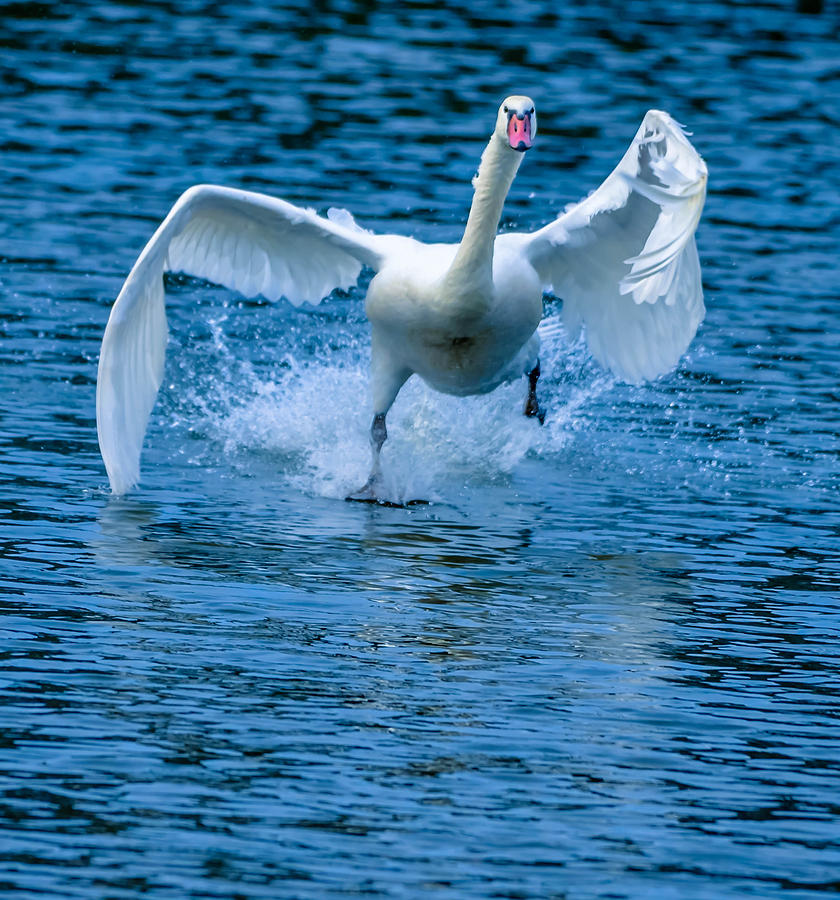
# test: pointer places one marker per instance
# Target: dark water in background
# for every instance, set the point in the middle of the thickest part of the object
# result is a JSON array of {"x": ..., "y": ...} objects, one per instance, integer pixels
[{"x": 603, "y": 662}]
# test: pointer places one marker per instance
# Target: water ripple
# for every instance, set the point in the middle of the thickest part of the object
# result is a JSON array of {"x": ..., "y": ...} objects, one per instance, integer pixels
[{"x": 602, "y": 662}]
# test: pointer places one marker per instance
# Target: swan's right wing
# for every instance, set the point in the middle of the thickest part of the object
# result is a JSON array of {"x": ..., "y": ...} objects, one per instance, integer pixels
[
  {"x": 624, "y": 260},
  {"x": 248, "y": 242}
]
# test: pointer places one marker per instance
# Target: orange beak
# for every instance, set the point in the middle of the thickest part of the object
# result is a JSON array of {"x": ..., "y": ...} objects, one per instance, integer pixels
[{"x": 519, "y": 132}]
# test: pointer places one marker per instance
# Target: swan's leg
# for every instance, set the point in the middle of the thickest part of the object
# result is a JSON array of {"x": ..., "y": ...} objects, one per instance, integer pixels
[
  {"x": 532, "y": 405},
  {"x": 378, "y": 436},
  {"x": 387, "y": 381}
]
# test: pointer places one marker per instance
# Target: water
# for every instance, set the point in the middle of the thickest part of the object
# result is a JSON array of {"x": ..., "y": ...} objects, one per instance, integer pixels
[{"x": 602, "y": 662}]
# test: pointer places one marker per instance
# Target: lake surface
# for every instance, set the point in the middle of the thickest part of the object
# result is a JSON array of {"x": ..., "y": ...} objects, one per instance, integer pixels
[{"x": 602, "y": 661}]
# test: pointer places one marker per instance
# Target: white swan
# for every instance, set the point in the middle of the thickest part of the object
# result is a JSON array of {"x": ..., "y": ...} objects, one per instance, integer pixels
[{"x": 462, "y": 316}]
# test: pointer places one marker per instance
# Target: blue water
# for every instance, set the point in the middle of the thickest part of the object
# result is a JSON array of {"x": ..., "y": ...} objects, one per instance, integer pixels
[{"x": 602, "y": 661}]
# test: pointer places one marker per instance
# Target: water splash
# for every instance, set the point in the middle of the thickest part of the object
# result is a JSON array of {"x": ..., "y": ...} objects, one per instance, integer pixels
[{"x": 304, "y": 420}]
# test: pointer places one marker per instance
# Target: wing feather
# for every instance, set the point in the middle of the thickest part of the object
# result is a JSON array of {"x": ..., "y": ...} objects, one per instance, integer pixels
[
  {"x": 624, "y": 260},
  {"x": 245, "y": 241}
]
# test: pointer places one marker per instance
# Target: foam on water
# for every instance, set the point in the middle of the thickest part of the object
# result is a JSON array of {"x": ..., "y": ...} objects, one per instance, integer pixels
[{"x": 305, "y": 419}]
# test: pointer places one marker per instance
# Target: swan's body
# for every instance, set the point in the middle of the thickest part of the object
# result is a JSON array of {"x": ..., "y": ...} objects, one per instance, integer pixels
[
  {"x": 462, "y": 316},
  {"x": 420, "y": 327}
]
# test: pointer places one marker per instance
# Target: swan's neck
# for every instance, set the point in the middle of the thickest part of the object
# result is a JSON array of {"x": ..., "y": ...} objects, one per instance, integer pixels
[{"x": 473, "y": 264}]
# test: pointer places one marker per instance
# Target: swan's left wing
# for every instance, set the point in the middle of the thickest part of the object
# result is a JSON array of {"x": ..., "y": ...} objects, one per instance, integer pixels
[
  {"x": 249, "y": 242},
  {"x": 624, "y": 260}
]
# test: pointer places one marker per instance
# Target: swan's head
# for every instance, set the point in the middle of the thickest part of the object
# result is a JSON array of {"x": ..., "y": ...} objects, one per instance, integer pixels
[{"x": 516, "y": 123}]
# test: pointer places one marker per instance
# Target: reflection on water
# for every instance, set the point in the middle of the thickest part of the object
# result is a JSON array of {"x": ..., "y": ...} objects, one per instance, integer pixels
[{"x": 601, "y": 662}]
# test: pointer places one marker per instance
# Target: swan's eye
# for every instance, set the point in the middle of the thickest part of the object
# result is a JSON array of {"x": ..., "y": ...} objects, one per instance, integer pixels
[
  {"x": 506, "y": 109},
  {"x": 531, "y": 111}
]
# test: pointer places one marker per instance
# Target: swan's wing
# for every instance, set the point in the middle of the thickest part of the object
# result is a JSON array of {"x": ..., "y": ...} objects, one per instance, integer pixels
[
  {"x": 248, "y": 242},
  {"x": 624, "y": 259}
]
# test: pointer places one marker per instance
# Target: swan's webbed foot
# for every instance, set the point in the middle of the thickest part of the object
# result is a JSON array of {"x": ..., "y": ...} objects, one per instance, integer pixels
[
  {"x": 532, "y": 405},
  {"x": 370, "y": 494}
]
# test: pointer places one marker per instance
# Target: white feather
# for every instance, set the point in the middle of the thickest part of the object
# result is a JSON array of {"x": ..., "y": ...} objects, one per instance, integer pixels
[
  {"x": 624, "y": 260},
  {"x": 245, "y": 241}
]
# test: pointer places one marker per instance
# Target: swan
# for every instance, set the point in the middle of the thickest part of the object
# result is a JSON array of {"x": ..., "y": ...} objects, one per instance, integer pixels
[{"x": 463, "y": 317}]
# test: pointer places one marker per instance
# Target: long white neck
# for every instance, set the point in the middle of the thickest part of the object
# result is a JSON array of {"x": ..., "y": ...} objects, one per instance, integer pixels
[{"x": 472, "y": 267}]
